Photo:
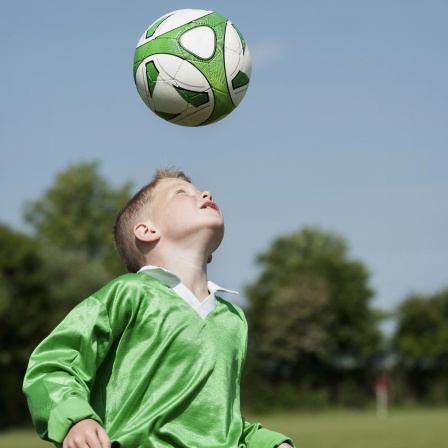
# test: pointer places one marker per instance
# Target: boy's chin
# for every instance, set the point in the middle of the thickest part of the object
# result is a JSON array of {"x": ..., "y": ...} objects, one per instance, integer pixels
[{"x": 217, "y": 237}]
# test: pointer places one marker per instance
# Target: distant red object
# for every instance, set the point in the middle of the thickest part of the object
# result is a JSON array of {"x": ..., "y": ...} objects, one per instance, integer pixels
[
  {"x": 381, "y": 396},
  {"x": 381, "y": 384}
]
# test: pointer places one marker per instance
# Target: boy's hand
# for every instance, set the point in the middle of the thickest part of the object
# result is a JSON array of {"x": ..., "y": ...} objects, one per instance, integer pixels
[
  {"x": 284, "y": 445},
  {"x": 86, "y": 434}
]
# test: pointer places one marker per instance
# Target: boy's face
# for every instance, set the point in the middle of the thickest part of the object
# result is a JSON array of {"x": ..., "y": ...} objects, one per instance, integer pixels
[{"x": 180, "y": 211}]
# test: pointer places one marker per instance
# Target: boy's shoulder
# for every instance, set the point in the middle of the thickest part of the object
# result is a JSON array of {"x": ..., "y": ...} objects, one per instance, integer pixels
[
  {"x": 123, "y": 296},
  {"x": 131, "y": 285},
  {"x": 230, "y": 306},
  {"x": 129, "y": 280}
]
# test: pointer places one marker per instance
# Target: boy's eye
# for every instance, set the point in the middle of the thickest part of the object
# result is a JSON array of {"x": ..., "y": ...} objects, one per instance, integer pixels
[{"x": 180, "y": 191}]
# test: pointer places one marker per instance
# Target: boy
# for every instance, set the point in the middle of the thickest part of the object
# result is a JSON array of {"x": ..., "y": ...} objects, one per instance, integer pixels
[{"x": 154, "y": 358}]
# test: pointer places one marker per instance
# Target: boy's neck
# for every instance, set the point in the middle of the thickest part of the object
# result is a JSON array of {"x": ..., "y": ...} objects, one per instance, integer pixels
[{"x": 192, "y": 271}]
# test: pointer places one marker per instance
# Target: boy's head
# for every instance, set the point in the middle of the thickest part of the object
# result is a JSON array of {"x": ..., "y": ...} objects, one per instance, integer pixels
[{"x": 169, "y": 208}]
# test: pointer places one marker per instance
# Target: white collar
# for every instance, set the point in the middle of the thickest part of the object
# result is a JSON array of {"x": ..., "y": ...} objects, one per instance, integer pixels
[{"x": 203, "y": 308}]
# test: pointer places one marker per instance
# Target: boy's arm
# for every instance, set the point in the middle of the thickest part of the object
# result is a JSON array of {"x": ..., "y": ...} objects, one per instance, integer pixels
[
  {"x": 62, "y": 370},
  {"x": 256, "y": 436}
]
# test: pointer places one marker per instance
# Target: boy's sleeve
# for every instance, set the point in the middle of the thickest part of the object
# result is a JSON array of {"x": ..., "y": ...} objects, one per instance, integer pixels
[
  {"x": 62, "y": 370},
  {"x": 256, "y": 436}
]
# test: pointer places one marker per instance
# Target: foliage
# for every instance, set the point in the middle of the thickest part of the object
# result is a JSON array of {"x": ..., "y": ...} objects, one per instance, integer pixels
[
  {"x": 24, "y": 305},
  {"x": 78, "y": 212},
  {"x": 312, "y": 267},
  {"x": 70, "y": 255},
  {"x": 297, "y": 322},
  {"x": 309, "y": 313},
  {"x": 24, "y": 290},
  {"x": 421, "y": 346},
  {"x": 37, "y": 289},
  {"x": 422, "y": 329},
  {"x": 71, "y": 277}
]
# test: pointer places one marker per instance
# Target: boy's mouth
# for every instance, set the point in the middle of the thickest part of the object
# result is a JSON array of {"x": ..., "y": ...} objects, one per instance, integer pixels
[{"x": 210, "y": 204}]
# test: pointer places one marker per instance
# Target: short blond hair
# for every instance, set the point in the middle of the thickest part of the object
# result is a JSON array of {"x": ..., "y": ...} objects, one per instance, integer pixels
[{"x": 131, "y": 213}]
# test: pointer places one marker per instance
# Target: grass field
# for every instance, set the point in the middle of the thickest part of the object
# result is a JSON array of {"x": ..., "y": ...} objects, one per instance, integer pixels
[{"x": 401, "y": 429}]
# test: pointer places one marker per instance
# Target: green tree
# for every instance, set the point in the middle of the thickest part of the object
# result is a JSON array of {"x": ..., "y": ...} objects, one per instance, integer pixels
[
  {"x": 78, "y": 212},
  {"x": 69, "y": 256},
  {"x": 71, "y": 277},
  {"x": 421, "y": 345},
  {"x": 295, "y": 324},
  {"x": 37, "y": 289},
  {"x": 24, "y": 303},
  {"x": 422, "y": 329},
  {"x": 310, "y": 319}
]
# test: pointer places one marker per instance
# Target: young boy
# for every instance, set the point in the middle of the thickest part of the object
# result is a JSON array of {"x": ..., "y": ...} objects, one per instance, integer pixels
[{"x": 154, "y": 358}]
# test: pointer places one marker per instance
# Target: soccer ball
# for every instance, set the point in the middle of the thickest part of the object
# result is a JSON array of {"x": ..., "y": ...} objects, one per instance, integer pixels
[{"x": 192, "y": 67}]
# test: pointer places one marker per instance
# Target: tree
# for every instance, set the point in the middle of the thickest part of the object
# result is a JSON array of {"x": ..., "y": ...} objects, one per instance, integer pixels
[
  {"x": 71, "y": 277},
  {"x": 295, "y": 324},
  {"x": 37, "y": 289},
  {"x": 24, "y": 304},
  {"x": 421, "y": 345},
  {"x": 309, "y": 314},
  {"x": 78, "y": 212},
  {"x": 422, "y": 329},
  {"x": 69, "y": 256}
]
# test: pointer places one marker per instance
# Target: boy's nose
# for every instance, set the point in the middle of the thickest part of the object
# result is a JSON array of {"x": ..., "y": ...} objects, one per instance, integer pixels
[{"x": 207, "y": 195}]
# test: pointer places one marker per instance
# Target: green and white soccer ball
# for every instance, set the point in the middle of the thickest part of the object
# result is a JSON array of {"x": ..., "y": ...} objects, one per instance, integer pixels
[{"x": 192, "y": 67}]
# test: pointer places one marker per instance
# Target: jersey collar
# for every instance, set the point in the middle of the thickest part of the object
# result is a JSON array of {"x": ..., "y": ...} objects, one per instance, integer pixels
[{"x": 203, "y": 308}]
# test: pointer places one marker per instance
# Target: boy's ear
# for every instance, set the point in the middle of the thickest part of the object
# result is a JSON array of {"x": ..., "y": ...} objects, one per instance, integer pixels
[{"x": 146, "y": 232}]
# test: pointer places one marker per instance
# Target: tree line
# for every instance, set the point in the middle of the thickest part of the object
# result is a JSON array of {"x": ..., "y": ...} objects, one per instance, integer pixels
[{"x": 314, "y": 338}]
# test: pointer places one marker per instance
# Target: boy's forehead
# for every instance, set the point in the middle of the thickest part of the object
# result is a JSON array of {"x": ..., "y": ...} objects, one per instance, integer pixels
[{"x": 165, "y": 185}]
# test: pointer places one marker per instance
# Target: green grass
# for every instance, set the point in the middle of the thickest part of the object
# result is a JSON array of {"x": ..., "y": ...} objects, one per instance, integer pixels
[
  {"x": 22, "y": 439},
  {"x": 401, "y": 429}
]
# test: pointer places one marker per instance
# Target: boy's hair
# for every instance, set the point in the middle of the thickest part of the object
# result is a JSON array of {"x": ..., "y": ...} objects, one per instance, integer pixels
[{"x": 132, "y": 212}]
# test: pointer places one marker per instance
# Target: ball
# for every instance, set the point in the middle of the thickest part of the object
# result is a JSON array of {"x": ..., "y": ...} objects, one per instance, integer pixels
[{"x": 192, "y": 67}]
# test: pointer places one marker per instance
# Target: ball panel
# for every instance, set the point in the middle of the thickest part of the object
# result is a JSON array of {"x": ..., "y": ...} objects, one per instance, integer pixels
[
  {"x": 166, "y": 116},
  {"x": 151, "y": 75},
  {"x": 243, "y": 42},
  {"x": 143, "y": 84},
  {"x": 238, "y": 65},
  {"x": 200, "y": 42},
  {"x": 152, "y": 29},
  {"x": 170, "y": 22},
  {"x": 196, "y": 99},
  {"x": 240, "y": 80},
  {"x": 180, "y": 18},
  {"x": 175, "y": 89},
  {"x": 233, "y": 50}
]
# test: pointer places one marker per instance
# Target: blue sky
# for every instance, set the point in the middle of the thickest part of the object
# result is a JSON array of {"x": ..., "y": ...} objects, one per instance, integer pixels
[{"x": 344, "y": 126}]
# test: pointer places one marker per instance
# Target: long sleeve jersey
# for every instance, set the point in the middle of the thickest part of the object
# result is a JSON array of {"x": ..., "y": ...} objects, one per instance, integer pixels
[{"x": 143, "y": 363}]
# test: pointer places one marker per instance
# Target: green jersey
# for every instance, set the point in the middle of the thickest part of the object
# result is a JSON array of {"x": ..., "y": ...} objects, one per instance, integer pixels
[{"x": 142, "y": 362}]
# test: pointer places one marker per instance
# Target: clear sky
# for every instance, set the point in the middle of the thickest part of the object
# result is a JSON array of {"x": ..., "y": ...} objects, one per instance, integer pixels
[{"x": 344, "y": 125}]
